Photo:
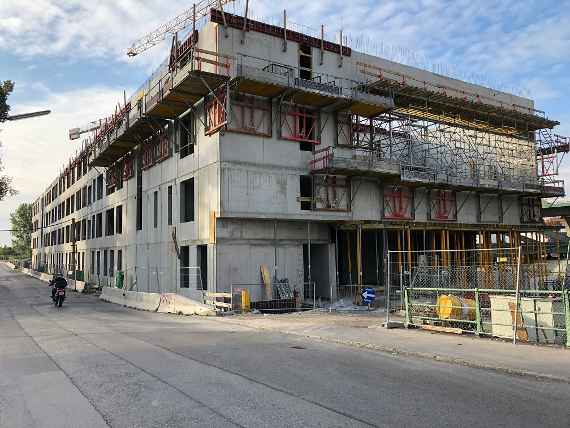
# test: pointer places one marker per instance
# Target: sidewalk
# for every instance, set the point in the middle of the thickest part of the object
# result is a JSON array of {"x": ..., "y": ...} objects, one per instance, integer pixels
[{"x": 366, "y": 331}]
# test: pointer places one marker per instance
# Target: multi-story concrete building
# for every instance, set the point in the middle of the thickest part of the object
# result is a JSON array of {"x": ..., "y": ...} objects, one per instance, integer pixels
[{"x": 258, "y": 146}]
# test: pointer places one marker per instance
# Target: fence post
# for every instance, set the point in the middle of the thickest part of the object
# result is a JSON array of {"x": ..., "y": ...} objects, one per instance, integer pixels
[
  {"x": 408, "y": 319},
  {"x": 387, "y": 292},
  {"x": 517, "y": 296},
  {"x": 478, "y": 312},
  {"x": 566, "y": 299}
]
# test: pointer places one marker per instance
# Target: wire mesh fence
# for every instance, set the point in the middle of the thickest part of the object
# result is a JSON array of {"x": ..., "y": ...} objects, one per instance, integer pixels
[{"x": 489, "y": 292}]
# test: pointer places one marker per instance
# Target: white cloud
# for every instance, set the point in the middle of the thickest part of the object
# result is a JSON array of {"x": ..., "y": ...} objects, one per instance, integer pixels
[{"x": 35, "y": 150}]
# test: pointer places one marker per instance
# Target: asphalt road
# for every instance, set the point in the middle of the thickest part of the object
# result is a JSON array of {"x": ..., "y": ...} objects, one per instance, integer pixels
[{"x": 94, "y": 364}]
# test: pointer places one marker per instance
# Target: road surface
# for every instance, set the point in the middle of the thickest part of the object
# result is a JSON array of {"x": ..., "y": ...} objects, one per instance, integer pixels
[{"x": 95, "y": 364}]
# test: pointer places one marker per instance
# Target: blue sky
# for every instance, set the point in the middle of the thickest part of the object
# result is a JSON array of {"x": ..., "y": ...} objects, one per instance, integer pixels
[{"x": 69, "y": 56}]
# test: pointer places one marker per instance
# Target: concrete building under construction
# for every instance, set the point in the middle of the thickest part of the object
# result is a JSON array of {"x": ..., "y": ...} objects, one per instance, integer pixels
[{"x": 256, "y": 150}]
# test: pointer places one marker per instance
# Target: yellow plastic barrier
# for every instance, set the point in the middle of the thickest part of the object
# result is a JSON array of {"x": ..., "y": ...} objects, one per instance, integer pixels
[{"x": 455, "y": 308}]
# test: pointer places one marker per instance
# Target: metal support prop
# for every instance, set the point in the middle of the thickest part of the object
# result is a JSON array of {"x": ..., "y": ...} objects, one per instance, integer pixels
[
  {"x": 407, "y": 303},
  {"x": 566, "y": 298},
  {"x": 309, "y": 252},
  {"x": 478, "y": 313},
  {"x": 517, "y": 297},
  {"x": 387, "y": 291}
]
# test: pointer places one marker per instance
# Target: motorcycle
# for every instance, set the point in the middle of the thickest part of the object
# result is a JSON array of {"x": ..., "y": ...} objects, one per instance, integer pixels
[
  {"x": 58, "y": 291},
  {"x": 59, "y": 297}
]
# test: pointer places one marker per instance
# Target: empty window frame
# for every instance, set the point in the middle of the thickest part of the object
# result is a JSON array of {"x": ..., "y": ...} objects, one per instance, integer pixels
[
  {"x": 187, "y": 200},
  {"x": 306, "y": 192},
  {"x": 110, "y": 222},
  {"x": 305, "y": 61},
  {"x": 99, "y": 218},
  {"x": 187, "y": 135},
  {"x": 155, "y": 208},
  {"x": 169, "y": 205},
  {"x": 119, "y": 219},
  {"x": 119, "y": 260},
  {"x": 184, "y": 266},
  {"x": 100, "y": 187},
  {"x": 83, "y": 229},
  {"x": 202, "y": 259},
  {"x": 139, "y": 210},
  {"x": 111, "y": 263}
]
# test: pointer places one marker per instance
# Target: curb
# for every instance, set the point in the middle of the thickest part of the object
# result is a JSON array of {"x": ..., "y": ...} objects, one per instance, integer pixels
[{"x": 425, "y": 356}]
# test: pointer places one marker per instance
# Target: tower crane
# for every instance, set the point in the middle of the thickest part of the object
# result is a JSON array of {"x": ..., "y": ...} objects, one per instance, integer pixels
[{"x": 179, "y": 23}]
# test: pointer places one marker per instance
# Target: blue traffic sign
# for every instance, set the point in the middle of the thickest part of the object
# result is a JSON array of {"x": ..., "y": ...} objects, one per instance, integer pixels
[{"x": 368, "y": 295}]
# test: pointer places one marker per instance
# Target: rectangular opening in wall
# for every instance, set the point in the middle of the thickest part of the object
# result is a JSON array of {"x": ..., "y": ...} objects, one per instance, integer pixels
[
  {"x": 187, "y": 139},
  {"x": 105, "y": 261},
  {"x": 187, "y": 200},
  {"x": 111, "y": 262},
  {"x": 202, "y": 257},
  {"x": 305, "y": 61},
  {"x": 100, "y": 187},
  {"x": 98, "y": 263},
  {"x": 155, "y": 208},
  {"x": 109, "y": 222},
  {"x": 184, "y": 264},
  {"x": 119, "y": 219},
  {"x": 119, "y": 260},
  {"x": 169, "y": 205},
  {"x": 306, "y": 192},
  {"x": 99, "y": 225},
  {"x": 139, "y": 212}
]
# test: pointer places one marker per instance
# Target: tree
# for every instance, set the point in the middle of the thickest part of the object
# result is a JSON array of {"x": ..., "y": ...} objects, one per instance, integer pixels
[
  {"x": 21, "y": 221},
  {"x": 6, "y": 88},
  {"x": 5, "y": 183}
]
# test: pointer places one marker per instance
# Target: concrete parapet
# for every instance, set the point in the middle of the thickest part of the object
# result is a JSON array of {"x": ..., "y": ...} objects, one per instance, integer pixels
[
  {"x": 143, "y": 301},
  {"x": 113, "y": 295},
  {"x": 168, "y": 303},
  {"x": 176, "y": 304}
]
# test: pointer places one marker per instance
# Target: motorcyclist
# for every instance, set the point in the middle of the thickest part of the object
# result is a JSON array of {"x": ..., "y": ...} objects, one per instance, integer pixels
[{"x": 58, "y": 281}]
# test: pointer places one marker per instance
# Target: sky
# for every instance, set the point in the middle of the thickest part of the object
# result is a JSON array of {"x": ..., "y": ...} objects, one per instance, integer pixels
[{"x": 69, "y": 57}]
